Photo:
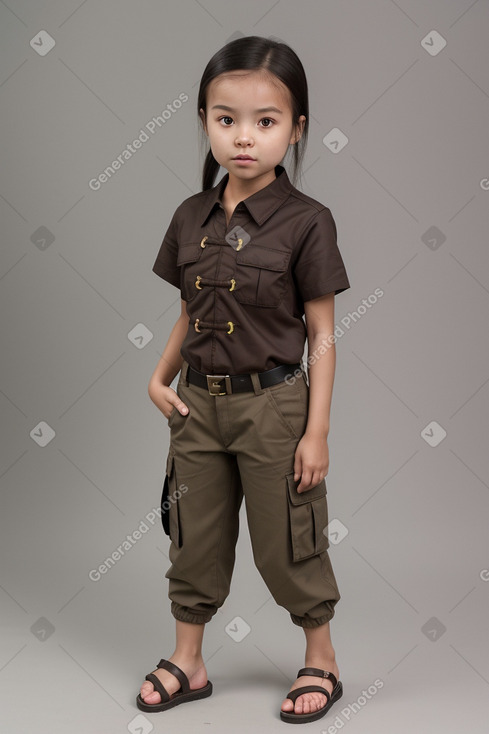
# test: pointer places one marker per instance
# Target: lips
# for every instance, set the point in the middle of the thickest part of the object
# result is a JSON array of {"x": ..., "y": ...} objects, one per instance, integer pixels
[{"x": 243, "y": 158}]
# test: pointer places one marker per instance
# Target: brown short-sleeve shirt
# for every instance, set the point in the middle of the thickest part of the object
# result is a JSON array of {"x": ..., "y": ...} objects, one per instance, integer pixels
[{"x": 245, "y": 284}]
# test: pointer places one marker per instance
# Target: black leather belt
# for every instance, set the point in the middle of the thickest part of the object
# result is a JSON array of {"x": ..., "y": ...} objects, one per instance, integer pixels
[{"x": 226, "y": 384}]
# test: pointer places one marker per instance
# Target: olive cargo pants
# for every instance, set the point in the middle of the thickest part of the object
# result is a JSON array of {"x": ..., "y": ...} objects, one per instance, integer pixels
[{"x": 227, "y": 447}]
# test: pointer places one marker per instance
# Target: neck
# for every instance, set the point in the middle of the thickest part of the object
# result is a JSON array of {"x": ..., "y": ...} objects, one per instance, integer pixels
[{"x": 238, "y": 189}]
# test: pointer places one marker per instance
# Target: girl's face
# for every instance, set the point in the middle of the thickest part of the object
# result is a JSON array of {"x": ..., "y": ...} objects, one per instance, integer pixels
[{"x": 247, "y": 115}]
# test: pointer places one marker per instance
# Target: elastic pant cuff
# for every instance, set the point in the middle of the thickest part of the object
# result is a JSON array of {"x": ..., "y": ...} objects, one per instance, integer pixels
[
  {"x": 184, "y": 614},
  {"x": 311, "y": 622}
]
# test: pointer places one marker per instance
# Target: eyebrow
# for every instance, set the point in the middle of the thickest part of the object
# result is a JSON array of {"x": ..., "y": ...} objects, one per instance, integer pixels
[{"x": 260, "y": 111}]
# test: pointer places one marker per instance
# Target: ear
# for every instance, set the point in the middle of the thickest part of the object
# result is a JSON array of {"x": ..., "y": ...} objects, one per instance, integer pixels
[
  {"x": 298, "y": 130},
  {"x": 202, "y": 119}
]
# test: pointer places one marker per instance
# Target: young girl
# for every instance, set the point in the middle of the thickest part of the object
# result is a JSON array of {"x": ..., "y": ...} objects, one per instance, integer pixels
[{"x": 251, "y": 256}]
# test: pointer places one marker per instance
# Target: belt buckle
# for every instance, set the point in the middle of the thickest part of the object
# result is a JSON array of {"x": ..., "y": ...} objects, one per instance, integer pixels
[{"x": 214, "y": 384}]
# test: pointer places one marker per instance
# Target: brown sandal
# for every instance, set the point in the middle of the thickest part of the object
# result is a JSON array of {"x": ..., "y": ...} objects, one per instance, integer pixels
[
  {"x": 183, "y": 695},
  {"x": 291, "y": 718}
]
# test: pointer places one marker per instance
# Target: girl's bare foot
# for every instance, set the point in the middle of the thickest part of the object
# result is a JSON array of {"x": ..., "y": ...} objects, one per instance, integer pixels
[
  {"x": 310, "y": 702},
  {"x": 319, "y": 654},
  {"x": 194, "y": 669}
]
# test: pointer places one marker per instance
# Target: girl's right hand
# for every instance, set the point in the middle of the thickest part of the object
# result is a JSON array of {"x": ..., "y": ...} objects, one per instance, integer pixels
[{"x": 167, "y": 400}]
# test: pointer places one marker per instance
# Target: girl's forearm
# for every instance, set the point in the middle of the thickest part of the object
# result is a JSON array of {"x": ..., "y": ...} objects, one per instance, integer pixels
[
  {"x": 171, "y": 360},
  {"x": 321, "y": 378}
]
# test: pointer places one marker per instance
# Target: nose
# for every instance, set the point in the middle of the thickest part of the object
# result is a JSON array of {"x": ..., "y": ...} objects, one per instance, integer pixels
[{"x": 243, "y": 136}]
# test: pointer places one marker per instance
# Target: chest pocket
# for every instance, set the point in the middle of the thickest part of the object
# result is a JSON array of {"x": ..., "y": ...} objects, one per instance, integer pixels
[
  {"x": 188, "y": 259},
  {"x": 261, "y": 276}
]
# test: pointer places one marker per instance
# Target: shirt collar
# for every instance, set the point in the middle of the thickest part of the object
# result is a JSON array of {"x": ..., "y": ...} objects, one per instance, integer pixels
[{"x": 260, "y": 205}]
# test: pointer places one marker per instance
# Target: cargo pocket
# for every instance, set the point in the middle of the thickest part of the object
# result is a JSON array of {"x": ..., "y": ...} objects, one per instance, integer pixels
[
  {"x": 169, "y": 502},
  {"x": 308, "y": 513}
]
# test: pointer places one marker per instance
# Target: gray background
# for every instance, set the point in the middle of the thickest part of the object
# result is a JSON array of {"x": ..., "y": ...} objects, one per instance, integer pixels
[{"x": 409, "y": 193}]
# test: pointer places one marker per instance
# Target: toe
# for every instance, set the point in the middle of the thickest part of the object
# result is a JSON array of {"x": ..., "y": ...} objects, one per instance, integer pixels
[
  {"x": 320, "y": 701},
  {"x": 287, "y": 705},
  {"x": 309, "y": 703},
  {"x": 153, "y": 698},
  {"x": 146, "y": 688},
  {"x": 148, "y": 693}
]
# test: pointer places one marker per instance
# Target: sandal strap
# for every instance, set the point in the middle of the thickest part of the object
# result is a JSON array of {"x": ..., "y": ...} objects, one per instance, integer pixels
[
  {"x": 318, "y": 673},
  {"x": 177, "y": 672},
  {"x": 158, "y": 687},
  {"x": 308, "y": 689}
]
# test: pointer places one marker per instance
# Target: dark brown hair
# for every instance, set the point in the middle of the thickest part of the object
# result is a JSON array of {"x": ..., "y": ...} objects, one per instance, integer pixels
[{"x": 264, "y": 54}]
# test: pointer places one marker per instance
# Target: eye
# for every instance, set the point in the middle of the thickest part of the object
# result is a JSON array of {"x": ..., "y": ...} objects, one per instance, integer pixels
[
  {"x": 226, "y": 117},
  {"x": 269, "y": 120}
]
